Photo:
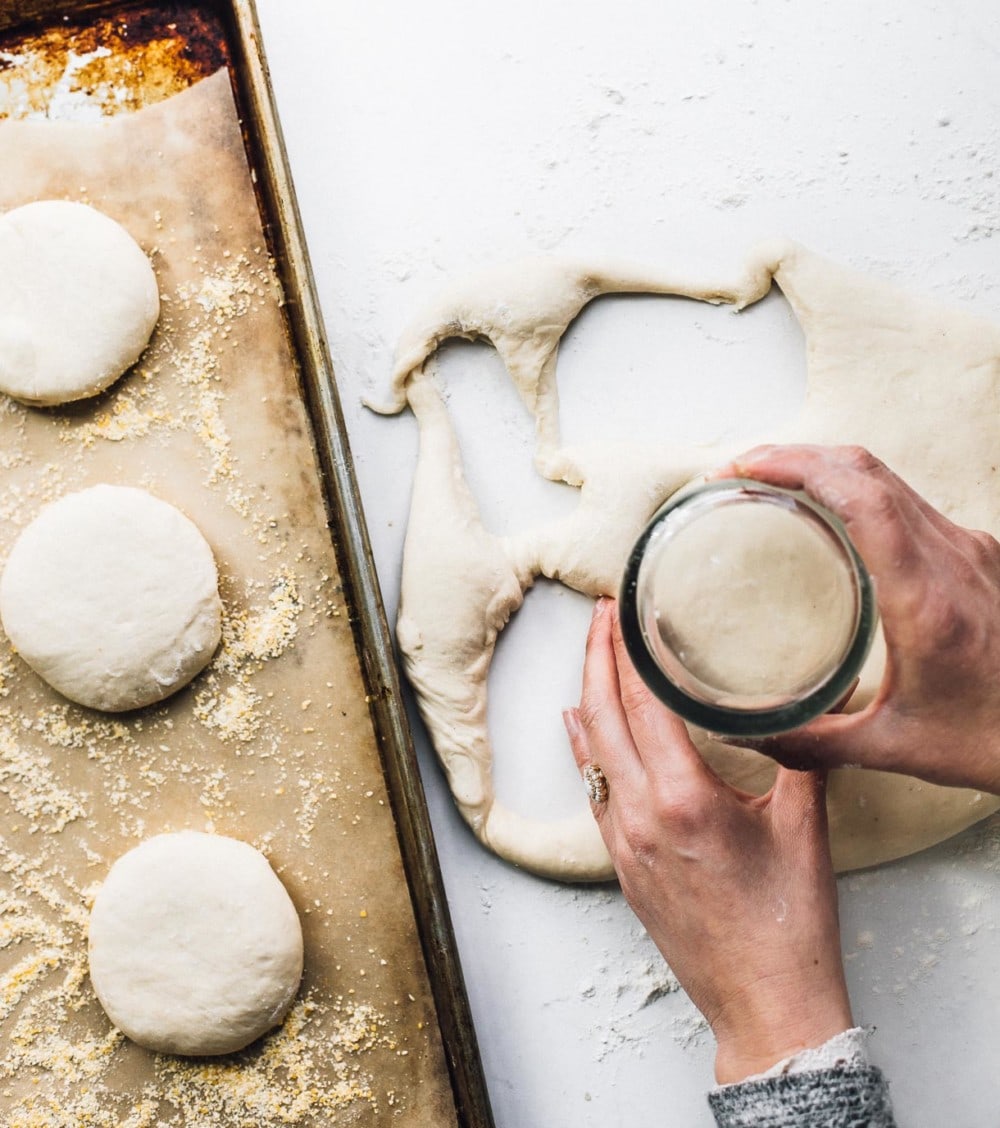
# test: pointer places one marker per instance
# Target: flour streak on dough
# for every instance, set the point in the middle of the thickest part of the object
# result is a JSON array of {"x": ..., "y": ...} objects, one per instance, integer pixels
[{"x": 884, "y": 370}]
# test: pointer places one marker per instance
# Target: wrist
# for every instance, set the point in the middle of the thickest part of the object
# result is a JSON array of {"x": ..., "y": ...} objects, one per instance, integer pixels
[
  {"x": 737, "y": 1062},
  {"x": 762, "y": 1037}
]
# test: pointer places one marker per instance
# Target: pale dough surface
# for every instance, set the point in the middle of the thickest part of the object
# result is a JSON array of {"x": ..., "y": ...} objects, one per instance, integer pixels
[
  {"x": 755, "y": 601},
  {"x": 111, "y": 595},
  {"x": 884, "y": 370},
  {"x": 78, "y": 302},
  {"x": 195, "y": 946}
]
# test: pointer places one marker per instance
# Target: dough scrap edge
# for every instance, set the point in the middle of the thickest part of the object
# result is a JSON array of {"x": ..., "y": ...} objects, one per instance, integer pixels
[{"x": 454, "y": 706}]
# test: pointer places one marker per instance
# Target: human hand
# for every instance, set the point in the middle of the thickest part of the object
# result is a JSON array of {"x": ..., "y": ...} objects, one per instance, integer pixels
[
  {"x": 937, "y": 712},
  {"x": 736, "y": 891}
]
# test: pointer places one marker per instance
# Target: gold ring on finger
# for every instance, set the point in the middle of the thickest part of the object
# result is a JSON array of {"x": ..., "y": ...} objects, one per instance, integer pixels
[{"x": 596, "y": 783}]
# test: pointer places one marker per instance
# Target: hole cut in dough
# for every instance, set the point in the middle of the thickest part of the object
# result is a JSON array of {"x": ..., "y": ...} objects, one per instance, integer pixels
[
  {"x": 111, "y": 595},
  {"x": 195, "y": 946},
  {"x": 78, "y": 302}
]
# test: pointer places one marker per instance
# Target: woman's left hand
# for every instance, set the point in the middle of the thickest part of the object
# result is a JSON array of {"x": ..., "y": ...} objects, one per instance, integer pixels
[{"x": 737, "y": 891}]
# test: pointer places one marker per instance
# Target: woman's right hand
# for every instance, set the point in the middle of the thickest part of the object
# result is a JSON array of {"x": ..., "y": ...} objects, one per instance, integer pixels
[
  {"x": 736, "y": 890},
  {"x": 937, "y": 712}
]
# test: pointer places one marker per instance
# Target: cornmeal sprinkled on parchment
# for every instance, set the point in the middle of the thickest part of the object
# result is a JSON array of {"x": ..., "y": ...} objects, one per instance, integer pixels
[
  {"x": 261, "y": 745},
  {"x": 248, "y": 640},
  {"x": 43, "y": 986},
  {"x": 225, "y": 292},
  {"x": 26, "y": 779},
  {"x": 278, "y": 1081},
  {"x": 317, "y": 1063}
]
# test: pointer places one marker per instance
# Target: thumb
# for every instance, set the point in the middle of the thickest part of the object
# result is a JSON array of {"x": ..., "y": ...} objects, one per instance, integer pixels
[{"x": 831, "y": 741}]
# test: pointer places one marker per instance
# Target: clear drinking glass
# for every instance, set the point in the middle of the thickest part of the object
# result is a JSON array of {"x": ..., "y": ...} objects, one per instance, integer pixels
[{"x": 746, "y": 608}]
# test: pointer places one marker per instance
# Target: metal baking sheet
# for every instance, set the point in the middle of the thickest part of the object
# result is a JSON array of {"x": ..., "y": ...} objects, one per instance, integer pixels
[{"x": 294, "y": 738}]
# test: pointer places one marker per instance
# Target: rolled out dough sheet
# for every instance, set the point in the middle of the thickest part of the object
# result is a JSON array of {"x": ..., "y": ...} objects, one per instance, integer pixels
[{"x": 915, "y": 382}]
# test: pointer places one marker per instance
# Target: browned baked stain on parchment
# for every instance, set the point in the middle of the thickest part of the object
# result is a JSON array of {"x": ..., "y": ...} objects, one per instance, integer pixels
[{"x": 131, "y": 58}]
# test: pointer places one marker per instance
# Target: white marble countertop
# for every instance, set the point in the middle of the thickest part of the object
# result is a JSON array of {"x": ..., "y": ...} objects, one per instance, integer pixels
[{"x": 428, "y": 139}]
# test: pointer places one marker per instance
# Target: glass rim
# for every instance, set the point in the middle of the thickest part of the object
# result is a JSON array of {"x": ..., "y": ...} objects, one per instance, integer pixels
[{"x": 724, "y": 720}]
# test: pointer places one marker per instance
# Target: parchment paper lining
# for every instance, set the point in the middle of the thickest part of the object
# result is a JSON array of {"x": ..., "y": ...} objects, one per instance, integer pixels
[{"x": 273, "y": 744}]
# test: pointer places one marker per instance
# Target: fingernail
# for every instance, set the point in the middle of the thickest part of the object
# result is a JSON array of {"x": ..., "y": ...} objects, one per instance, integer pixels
[
  {"x": 744, "y": 468},
  {"x": 601, "y": 604},
  {"x": 730, "y": 470},
  {"x": 752, "y": 457},
  {"x": 571, "y": 719}
]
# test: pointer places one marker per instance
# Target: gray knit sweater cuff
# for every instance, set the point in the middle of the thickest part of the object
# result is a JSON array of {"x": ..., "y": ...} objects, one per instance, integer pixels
[{"x": 839, "y": 1097}]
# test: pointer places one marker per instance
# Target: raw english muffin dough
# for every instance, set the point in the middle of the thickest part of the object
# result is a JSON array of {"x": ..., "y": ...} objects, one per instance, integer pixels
[
  {"x": 755, "y": 601},
  {"x": 111, "y": 595},
  {"x": 195, "y": 946},
  {"x": 78, "y": 302},
  {"x": 884, "y": 369}
]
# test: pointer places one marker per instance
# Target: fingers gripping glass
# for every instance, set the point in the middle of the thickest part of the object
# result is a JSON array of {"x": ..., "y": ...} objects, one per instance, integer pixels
[{"x": 745, "y": 608}]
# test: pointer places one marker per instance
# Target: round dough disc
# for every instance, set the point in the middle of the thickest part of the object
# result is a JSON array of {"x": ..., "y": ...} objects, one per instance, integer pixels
[
  {"x": 195, "y": 946},
  {"x": 78, "y": 302},
  {"x": 111, "y": 596}
]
